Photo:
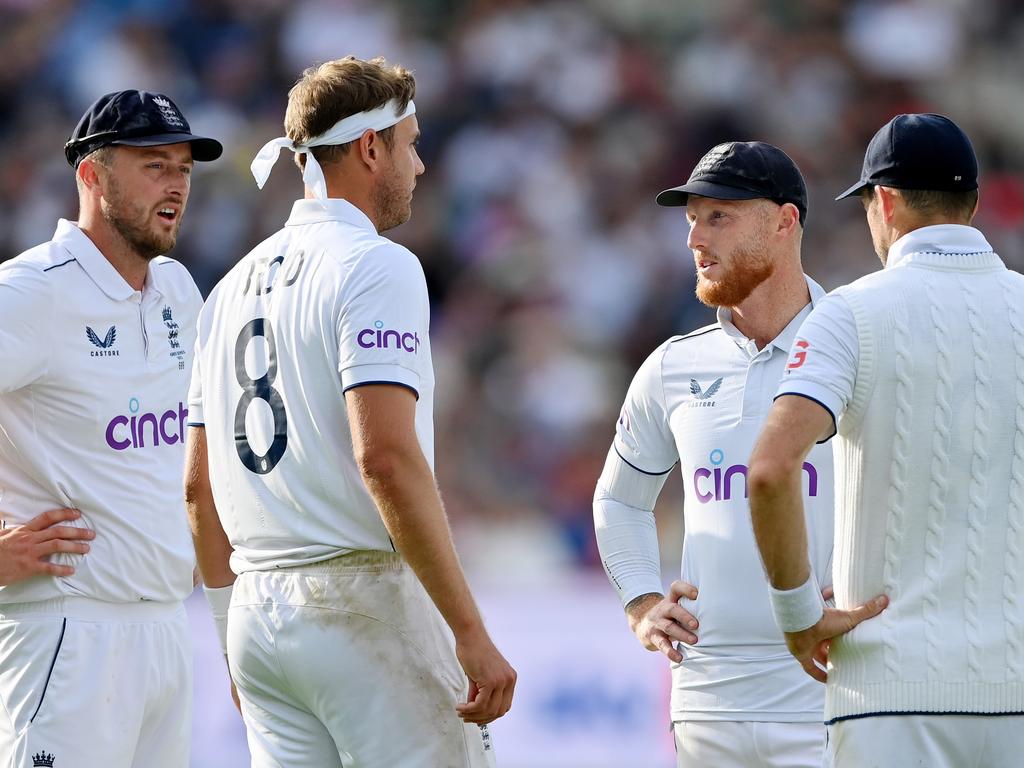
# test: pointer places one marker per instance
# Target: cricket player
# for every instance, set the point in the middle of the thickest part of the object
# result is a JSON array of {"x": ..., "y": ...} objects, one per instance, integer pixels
[
  {"x": 352, "y": 635},
  {"x": 700, "y": 400},
  {"x": 918, "y": 372},
  {"x": 97, "y": 332}
]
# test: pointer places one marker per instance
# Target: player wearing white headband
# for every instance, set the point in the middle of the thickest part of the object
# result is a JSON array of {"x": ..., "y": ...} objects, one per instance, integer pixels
[{"x": 310, "y": 462}]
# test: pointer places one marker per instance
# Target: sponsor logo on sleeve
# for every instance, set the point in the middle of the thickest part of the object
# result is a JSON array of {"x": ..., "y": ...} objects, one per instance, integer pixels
[
  {"x": 799, "y": 355},
  {"x": 379, "y": 337}
]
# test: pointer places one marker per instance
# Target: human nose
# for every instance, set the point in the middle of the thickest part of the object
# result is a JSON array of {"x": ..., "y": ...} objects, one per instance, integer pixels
[{"x": 696, "y": 239}]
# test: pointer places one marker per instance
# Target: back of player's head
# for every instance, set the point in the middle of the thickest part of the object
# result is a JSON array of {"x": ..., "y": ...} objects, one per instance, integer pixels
[
  {"x": 929, "y": 159},
  {"x": 337, "y": 89}
]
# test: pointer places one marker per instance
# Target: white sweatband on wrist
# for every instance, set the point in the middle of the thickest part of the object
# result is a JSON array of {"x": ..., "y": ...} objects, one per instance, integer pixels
[
  {"x": 345, "y": 130},
  {"x": 219, "y": 599},
  {"x": 798, "y": 609}
]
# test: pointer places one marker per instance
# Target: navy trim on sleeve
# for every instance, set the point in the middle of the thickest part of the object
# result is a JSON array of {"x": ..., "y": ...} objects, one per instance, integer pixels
[
  {"x": 814, "y": 400},
  {"x": 54, "y": 266},
  {"x": 642, "y": 471},
  {"x": 195, "y": 424},
  {"x": 395, "y": 383}
]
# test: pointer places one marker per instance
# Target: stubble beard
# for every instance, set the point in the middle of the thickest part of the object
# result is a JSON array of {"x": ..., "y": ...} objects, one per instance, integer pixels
[
  {"x": 392, "y": 204},
  {"x": 129, "y": 221},
  {"x": 750, "y": 267}
]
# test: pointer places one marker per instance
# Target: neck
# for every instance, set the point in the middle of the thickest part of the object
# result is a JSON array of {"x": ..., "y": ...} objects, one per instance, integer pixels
[
  {"x": 358, "y": 194},
  {"x": 771, "y": 306},
  {"x": 132, "y": 267}
]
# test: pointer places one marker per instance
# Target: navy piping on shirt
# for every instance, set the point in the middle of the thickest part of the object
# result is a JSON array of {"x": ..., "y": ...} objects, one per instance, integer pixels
[
  {"x": 835, "y": 429},
  {"x": 861, "y": 716},
  {"x": 695, "y": 334},
  {"x": 396, "y": 383},
  {"x": 54, "y": 266},
  {"x": 642, "y": 471}
]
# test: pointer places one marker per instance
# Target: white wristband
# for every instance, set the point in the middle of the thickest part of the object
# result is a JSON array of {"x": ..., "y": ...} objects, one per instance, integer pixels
[
  {"x": 219, "y": 599},
  {"x": 800, "y": 608}
]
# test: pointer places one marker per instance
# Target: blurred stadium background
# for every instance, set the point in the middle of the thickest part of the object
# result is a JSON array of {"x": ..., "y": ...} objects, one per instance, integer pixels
[{"x": 547, "y": 129}]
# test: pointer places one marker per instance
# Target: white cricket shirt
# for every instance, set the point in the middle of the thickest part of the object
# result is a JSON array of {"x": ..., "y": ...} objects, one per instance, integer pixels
[
  {"x": 323, "y": 305},
  {"x": 701, "y": 400},
  {"x": 93, "y": 390}
]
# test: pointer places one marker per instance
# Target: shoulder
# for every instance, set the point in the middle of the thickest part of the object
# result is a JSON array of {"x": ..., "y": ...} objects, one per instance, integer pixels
[
  {"x": 36, "y": 270},
  {"x": 45, "y": 258},
  {"x": 387, "y": 265},
  {"x": 688, "y": 346},
  {"x": 694, "y": 346},
  {"x": 708, "y": 334},
  {"x": 175, "y": 279}
]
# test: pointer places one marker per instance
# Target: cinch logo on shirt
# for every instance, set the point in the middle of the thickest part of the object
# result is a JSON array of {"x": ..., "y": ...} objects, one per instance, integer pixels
[
  {"x": 715, "y": 483},
  {"x": 369, "y": 338},
  {"x": 146, "y": 430}
]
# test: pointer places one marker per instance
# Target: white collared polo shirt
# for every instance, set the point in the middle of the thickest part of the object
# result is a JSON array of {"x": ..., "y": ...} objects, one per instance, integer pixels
[
  {"x": 93, "y": 390},
  {"x": 701, "y": 400},
  {"x": 324, "y": 305}
]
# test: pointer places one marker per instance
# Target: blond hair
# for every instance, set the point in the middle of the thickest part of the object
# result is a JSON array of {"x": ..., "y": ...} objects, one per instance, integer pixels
[{"x": 336, "y": 89}]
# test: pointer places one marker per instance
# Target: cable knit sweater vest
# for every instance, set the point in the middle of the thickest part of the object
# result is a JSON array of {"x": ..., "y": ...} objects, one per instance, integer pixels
[{"x": 930, "y": 491}]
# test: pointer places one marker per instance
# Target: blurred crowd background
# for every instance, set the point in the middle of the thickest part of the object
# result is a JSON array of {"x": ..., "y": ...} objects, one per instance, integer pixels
[{"x": 548, "y": 127}]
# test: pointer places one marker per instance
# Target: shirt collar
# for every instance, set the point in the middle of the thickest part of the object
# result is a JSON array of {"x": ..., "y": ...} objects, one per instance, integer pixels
[
  {"x": 332, "y": 209},
  {"x": 785, "y": 339},
  {"x": 945, "y": 245},
  {"x": 99, "y": 269}
]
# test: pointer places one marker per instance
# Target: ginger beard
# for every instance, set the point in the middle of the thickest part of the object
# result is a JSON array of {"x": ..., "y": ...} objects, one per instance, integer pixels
[
  {"x": 746, "y": 267},
  {"x": 130, "y": 220}
]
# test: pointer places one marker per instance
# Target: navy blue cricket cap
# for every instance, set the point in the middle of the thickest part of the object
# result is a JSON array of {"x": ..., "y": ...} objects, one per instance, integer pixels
[
  {"x": 919, "y": 152},
  {"x": 135, "y": 119},
  {"x": 743, "y": 170}
]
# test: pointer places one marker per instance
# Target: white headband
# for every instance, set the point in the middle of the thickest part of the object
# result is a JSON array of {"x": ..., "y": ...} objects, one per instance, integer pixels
[{"x": 344, "y": 131}]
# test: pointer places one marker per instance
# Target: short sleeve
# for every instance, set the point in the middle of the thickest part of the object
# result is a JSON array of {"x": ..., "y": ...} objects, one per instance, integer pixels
[
  {"x": 195, "y": 393},
  {"x": 643, "y": 438},
  {"x": 25, "y": 305},
  {"x": 824, "y": 359},
  {"x": 384, "y": 320}
]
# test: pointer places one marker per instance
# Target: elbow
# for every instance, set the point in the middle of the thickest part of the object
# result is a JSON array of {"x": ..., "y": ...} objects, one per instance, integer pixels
[
  {"x": 766, "y": 475},
  {"x": 380, "y": 466}
]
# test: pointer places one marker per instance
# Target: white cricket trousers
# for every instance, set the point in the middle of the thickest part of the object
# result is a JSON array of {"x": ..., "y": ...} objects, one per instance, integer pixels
[
  {"x": 347, "y": 664},
  {"x": 90, "y": 684},
  {"x": 749, "y": 744},
  {"x": 929, "y": 741}
]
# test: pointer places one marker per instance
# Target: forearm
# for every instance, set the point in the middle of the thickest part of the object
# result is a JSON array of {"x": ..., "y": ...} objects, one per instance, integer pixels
[
  {"x": 406, "y": 495},
  {"x": 213, "y": 550},
  {"x": 624, "y": 526},
  {"x": 627, "y": 540},
  {"x": 776, "y": 510}
]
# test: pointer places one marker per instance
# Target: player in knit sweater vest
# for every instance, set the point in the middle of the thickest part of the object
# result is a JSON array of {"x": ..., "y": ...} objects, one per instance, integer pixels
[{"x": 918, "y": 370}]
